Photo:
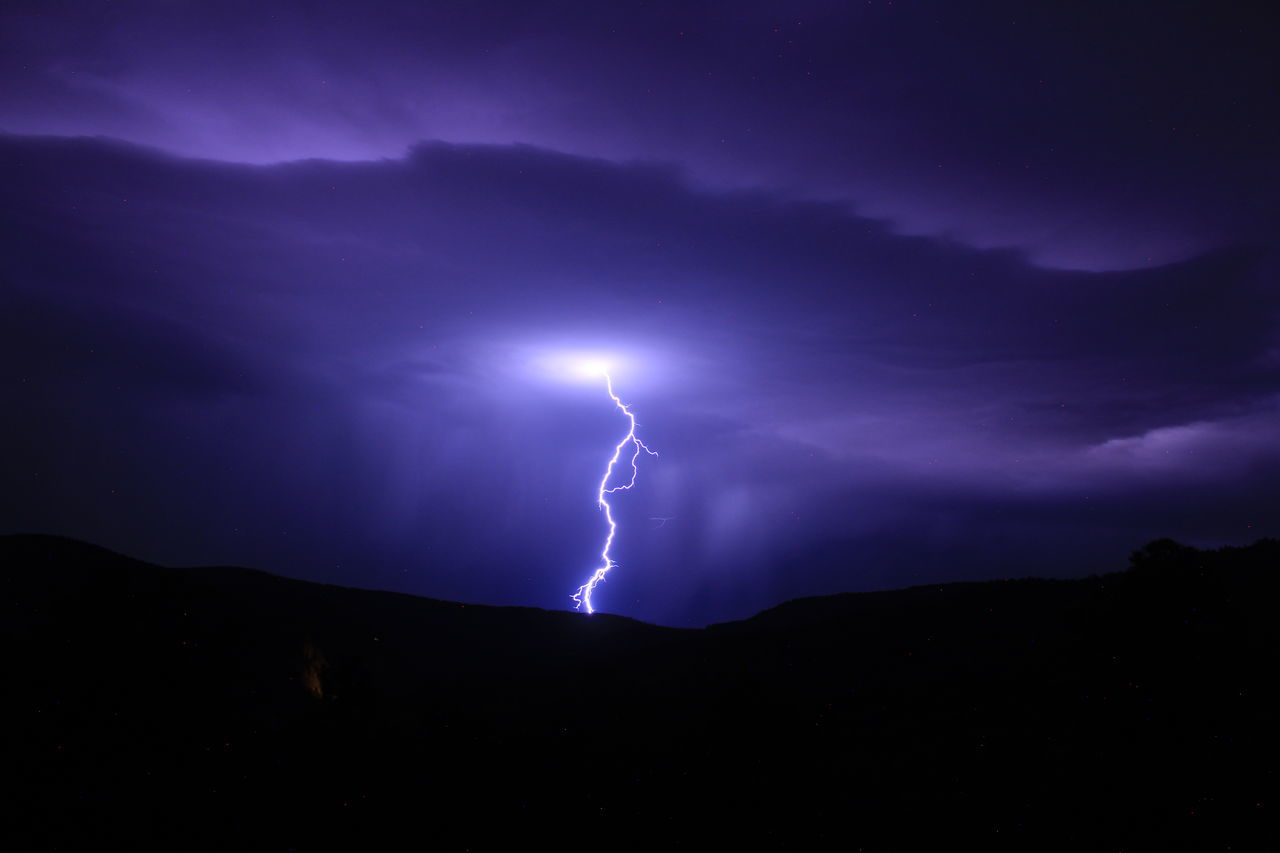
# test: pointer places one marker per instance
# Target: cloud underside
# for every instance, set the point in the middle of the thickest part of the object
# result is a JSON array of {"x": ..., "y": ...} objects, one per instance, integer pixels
[{"x": 351, "y": 335}]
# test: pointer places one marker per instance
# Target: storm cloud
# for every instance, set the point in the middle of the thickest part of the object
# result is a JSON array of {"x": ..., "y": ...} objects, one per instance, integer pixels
[{"x": 330, "y": 369}]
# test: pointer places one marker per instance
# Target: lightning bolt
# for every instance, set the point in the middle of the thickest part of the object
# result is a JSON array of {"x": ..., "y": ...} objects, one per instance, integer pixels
[{"x": 583, "y": 595}]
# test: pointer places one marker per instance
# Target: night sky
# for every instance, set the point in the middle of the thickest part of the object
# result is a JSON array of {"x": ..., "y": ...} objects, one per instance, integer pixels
[{"x": 901, "y": 292}]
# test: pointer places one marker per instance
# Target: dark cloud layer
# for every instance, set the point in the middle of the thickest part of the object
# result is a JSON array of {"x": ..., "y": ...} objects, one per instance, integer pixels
[
  {"x": 1089, "y": 136},
  {"x": 332, "y": 369}
]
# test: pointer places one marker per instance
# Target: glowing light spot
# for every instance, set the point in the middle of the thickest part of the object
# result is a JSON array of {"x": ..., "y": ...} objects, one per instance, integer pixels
[
  {"x": 592, "y": 368},
  {"x": 583, "y": 596}
]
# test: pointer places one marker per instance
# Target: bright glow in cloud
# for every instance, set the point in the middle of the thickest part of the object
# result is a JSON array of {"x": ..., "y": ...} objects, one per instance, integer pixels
[{"x": 574, "y": 366}]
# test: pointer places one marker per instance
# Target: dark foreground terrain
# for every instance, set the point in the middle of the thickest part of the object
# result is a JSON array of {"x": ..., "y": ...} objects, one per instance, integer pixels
[{"x": 222, "y": 708}]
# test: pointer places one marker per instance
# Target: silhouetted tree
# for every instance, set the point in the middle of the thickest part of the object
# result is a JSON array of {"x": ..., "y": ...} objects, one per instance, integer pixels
[{"x": 1161, "y": 552}]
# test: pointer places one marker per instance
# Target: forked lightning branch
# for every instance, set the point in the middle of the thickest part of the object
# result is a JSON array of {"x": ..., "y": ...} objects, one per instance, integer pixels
[{"x": 583, "y": 596}]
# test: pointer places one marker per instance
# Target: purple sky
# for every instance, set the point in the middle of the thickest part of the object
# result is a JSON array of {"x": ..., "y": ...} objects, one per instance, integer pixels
[{"x": 901, "y": 292}]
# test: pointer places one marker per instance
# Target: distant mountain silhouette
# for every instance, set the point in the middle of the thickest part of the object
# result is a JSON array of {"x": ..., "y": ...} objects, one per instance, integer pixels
[{"x": 225, "y": 708}]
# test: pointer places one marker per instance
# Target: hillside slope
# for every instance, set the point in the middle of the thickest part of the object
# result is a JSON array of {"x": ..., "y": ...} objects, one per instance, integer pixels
[{"x": 224, "y": 708}]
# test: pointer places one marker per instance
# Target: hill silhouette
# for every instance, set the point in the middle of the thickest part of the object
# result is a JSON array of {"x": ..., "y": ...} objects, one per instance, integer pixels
[{"x": 226, "y": 708}]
